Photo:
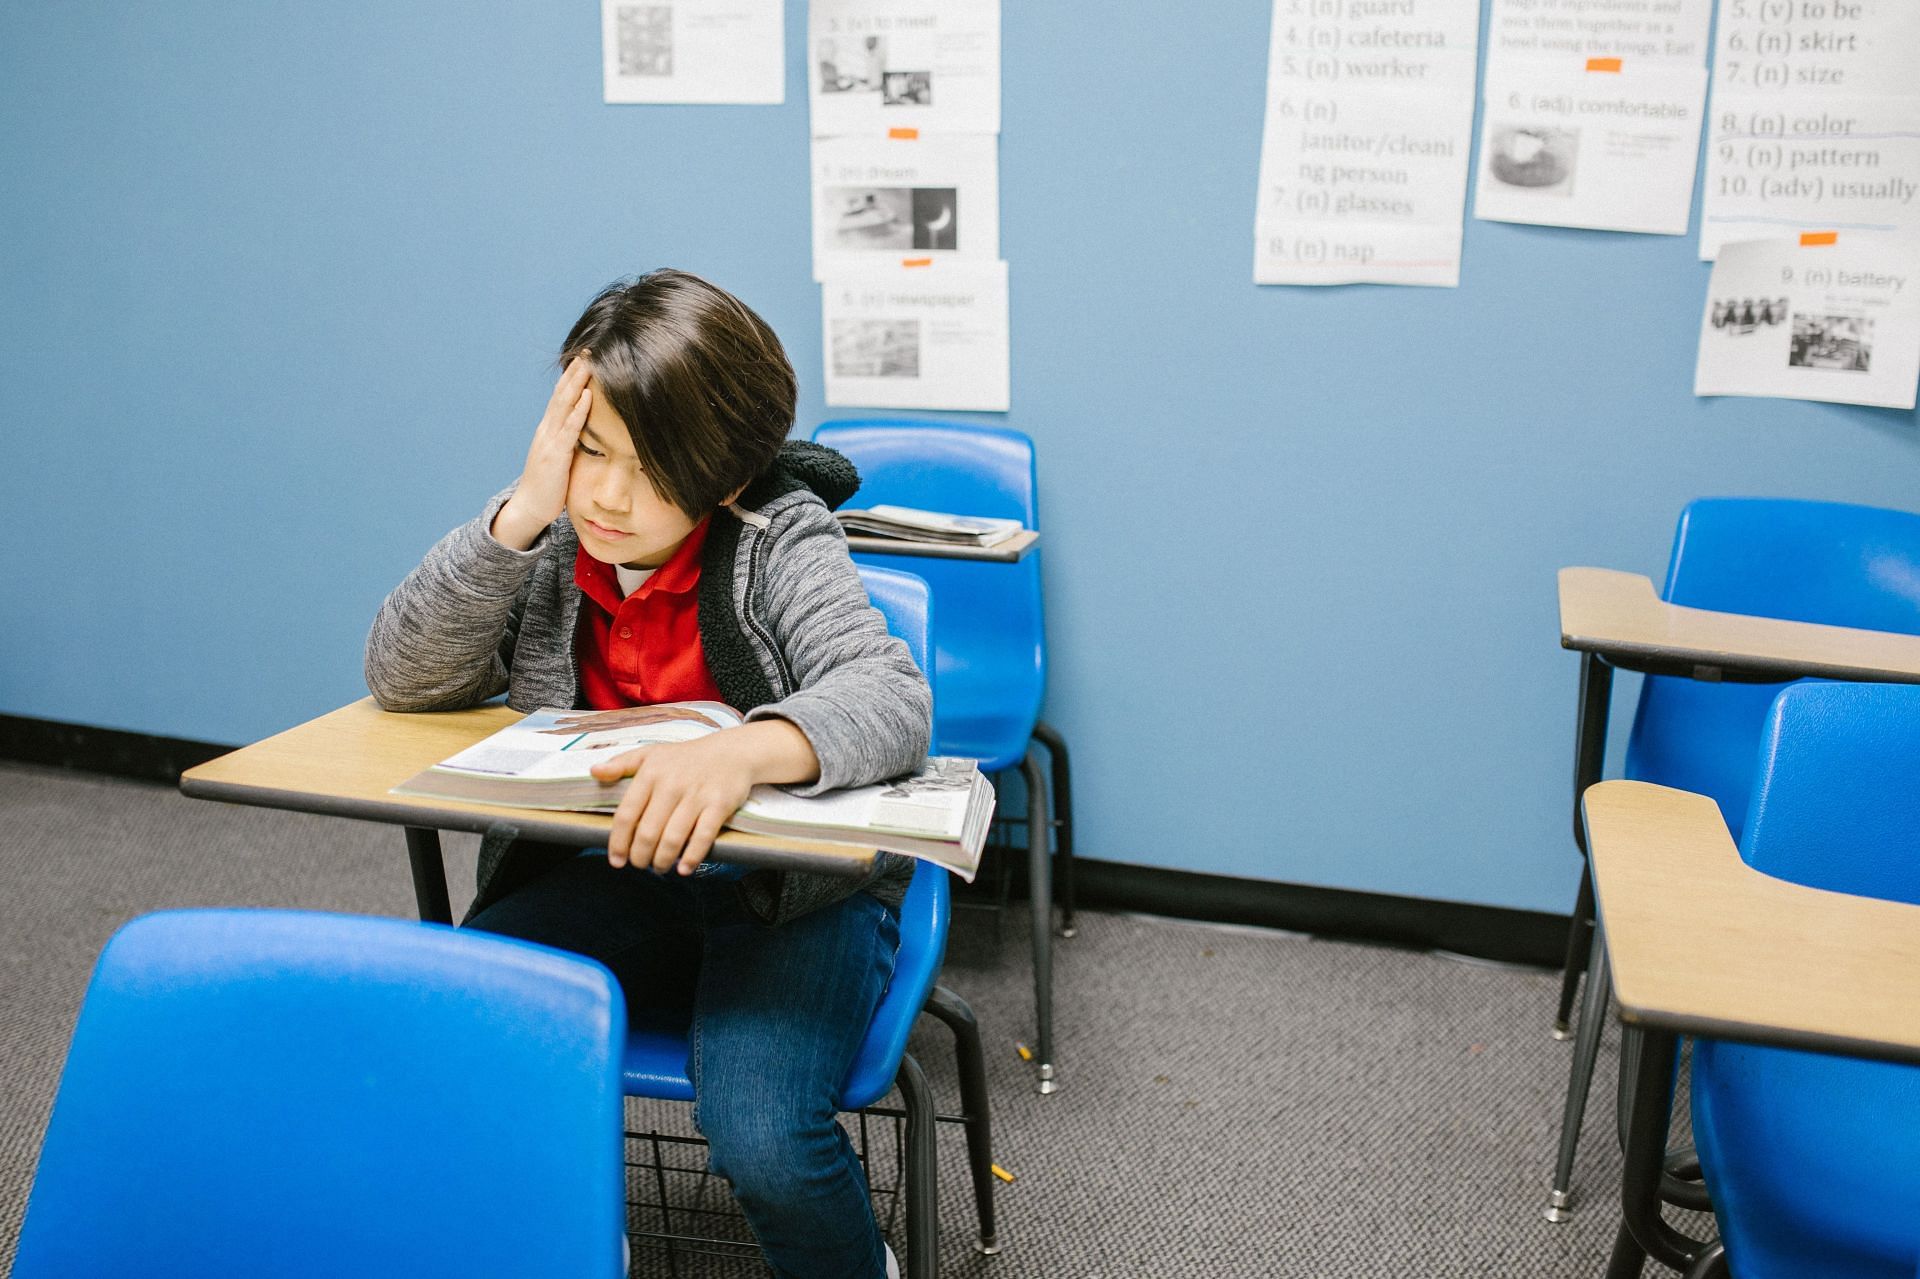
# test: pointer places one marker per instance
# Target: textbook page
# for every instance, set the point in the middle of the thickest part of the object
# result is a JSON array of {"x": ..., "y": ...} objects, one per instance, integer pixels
[
  {"x": 917, "y": 333},
  {"x": 1831, "y": 317},
  {"x": 878, "y": 197},
  {"x": 1592, "y": 113},
  {"x": 698, "y": 51},
  {"x": 1363, "y": 153},
  {"x": 1815, "y": 120},
  {"x": 931, "y": 65},
  {"x": 554, "y": 744}
]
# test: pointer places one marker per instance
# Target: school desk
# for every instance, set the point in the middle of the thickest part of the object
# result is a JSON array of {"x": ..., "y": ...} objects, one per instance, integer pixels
[
  {"x": 1700, "y": 943},
  {"x": 1010, "y": 551},
  {"x": 1617, "y": 621},
  {"x": 345, "y": 764}
]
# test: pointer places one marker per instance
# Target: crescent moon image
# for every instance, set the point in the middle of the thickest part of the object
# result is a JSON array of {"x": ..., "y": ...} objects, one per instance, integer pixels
[{"x": 942, "y": 222}]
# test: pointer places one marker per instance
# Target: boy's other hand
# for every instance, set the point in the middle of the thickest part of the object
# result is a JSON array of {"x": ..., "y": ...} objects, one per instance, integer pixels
[
  {"x": 541, "y": 496},
  {"x": 682, "y": 793}
]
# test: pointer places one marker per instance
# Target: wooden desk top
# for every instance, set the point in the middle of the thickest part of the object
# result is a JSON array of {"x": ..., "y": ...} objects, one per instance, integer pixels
[
  {"x": 1013, "y": 549},
  {"x": 1623, "y": 619},
  {"x": 1701, "y": 943},
  {"x": 344, "y": 764}
]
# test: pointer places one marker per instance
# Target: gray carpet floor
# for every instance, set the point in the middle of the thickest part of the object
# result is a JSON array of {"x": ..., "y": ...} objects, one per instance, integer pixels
[{"x": 1234, "y": 1102}]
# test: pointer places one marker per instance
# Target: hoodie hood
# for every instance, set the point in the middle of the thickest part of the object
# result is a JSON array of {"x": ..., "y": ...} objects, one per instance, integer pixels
[{"x": 802, "y": 464}]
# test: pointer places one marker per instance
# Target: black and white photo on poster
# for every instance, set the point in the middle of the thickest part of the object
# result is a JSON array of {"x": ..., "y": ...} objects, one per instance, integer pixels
[
  {"x": 906, "y": 89},
  {"x": 644, "y": 34},
  {"x": 875, "y": 348},
  {"x": 1843, "y": 342},
  {"x": 1535, "y": 157},
  {"x": 1737, "y": 317},
  {"x": 893, "y": 219}
]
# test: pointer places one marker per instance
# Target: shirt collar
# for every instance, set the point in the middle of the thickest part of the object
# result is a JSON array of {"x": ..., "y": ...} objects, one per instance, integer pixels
[{"x": 680, "y": 574}]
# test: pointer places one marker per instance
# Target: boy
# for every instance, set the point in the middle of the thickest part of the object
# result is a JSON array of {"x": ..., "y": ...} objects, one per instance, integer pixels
[{"x": 666, "y": 542}]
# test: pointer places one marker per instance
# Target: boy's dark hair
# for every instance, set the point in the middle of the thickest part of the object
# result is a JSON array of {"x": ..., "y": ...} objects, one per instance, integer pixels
[{"x": 702, "y": 383}]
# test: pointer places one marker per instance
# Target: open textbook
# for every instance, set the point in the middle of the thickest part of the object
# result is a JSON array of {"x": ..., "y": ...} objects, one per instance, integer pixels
[
  {"x": 928, "y": 526},
  {"x": 939, "y": 813}
]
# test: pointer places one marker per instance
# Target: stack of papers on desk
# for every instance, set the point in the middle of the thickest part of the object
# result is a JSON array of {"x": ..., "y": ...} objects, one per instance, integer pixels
[
  {"x": 939, "y": 814},
  {"x": 913, "y": 525}
]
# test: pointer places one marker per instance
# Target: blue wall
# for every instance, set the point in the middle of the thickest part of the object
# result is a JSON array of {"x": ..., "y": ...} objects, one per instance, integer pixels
[{"x": 279, "y": 289}]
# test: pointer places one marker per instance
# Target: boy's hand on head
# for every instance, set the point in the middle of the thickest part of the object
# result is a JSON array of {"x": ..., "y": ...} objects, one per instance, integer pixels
[
  {"x": 682, "y": 793},
  {"x": 541, "y": 496}
]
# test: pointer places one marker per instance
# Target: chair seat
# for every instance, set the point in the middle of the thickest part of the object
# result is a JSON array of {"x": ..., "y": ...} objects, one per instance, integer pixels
[
  {"x": 655, "y": 1065},
  {"x": 655, "y": 1062}
]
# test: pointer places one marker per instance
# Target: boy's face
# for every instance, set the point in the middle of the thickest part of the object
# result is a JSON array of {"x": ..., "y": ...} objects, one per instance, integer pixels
[{"x": 612, "y": 503}]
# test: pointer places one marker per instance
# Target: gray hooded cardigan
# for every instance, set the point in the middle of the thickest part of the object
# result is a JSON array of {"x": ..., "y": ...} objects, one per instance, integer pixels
[{"x": 786, "y": 627}]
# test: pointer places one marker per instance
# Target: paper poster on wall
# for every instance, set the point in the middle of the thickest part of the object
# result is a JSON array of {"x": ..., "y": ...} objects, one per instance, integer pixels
[
  {"x": 1815, "y": 119},
  {"x": 917, "y": 335},
  {"x": 876, "y": 198},
  {"x": 694, "y": 51},
  {"x": 1601, "y": 143},
  {"x": 932, "y": 65},
  {"x": 1827, "y": 316},
  {"x": 1363, "y": 154},
  {"x": 1776, "y": 167},
  {"x": 1592, "y": 113}
]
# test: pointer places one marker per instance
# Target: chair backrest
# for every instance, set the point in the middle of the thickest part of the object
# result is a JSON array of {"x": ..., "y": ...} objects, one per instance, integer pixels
[
  {"x": 923, "y": 948},
  {"x": 295, "y": 1094},
  {"x": 1824, "y": 562},
  {"x": 1809, "y": 1158},
  {"x": 1836, "y": 795},
  {"x": 906, "y": 601},
  {"x": 991, "y": 632}
]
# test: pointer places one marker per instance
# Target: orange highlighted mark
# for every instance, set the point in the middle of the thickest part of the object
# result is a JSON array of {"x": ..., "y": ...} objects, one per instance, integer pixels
[
  {"x": 916, "y": 261},
  {"x": 904, "y": 134},
  {"x": 1813, "y": 239},
  {"x": 1603, "y": 64}
]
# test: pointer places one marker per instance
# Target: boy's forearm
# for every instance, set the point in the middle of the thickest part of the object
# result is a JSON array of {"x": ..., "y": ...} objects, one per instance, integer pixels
[
  {"x": 513, "y": 529},
  {"x": 777, "y": 752}
]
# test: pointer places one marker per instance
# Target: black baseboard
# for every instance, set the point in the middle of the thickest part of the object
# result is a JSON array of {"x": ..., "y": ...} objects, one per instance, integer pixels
[
  {"x": 1417, "y": 923},
  {"x": 140, "y": 756},
  {"x": 1484, "y": 932}
]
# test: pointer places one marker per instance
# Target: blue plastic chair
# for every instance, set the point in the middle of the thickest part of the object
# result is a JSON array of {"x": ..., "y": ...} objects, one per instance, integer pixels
[
  {"x": 1810, "y": 1159},
  {"x": 295, "y": 1094},
  {"x": 1825, "y": 562},
  {"x": 655, "y": 1063},
  {"x": 990, "y": 654}
]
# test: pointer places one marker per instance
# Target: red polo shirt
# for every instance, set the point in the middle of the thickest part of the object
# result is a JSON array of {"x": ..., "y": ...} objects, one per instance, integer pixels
[{"x": 643, "y": 649}]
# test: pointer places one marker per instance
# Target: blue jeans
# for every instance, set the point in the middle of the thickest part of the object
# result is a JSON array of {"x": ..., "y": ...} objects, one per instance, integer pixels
[{"x": 774, "y": 1018}]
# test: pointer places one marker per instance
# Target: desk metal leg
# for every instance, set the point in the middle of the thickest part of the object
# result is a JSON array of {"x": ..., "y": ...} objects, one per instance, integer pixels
[
  {"x": 1040, "y": 890},
  {"x": 923, "y": 1199},
  {"x": 1593, "y": 1019},
  {"x": 429, "y": 875},
  {"x": 1579, "y": 938},
  {"x": 1644, "y": 1232},
  {"x": 1589, "y": 759},
  {"x": 1056, "y": 745}
]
